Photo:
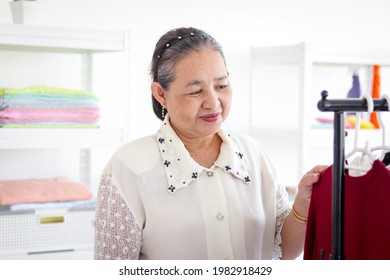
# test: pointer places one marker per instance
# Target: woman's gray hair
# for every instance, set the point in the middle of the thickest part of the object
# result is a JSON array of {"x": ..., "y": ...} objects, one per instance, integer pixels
[{"x": 170, "y": 48}]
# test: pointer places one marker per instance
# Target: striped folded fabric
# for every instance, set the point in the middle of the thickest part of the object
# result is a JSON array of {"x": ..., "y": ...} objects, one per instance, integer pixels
[{"x": 42, "y": 106}]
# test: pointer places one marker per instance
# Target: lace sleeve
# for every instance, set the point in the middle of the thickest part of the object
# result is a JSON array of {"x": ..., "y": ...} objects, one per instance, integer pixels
[
  {"x": 283, "y": 208},
  {"x": 117, "y": 235}
]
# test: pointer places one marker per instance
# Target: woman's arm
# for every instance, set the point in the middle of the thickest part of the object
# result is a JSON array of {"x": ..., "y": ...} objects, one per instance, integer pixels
[{"x": 117, "y": 235}]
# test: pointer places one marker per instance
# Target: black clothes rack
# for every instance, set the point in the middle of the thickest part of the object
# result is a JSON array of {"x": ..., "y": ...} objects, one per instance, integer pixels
[{"x": 339, "y": 107}]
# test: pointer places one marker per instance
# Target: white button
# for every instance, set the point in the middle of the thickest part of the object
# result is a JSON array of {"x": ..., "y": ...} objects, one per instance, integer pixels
[
  {"x": 219, "y": 217},
  {"x": 210, "y": 173}
]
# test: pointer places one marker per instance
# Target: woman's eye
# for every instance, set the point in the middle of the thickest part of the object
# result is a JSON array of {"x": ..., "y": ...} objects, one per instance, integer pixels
[
  {"x": 222, "y": 86},
  {"x": 196, "y": 92}
]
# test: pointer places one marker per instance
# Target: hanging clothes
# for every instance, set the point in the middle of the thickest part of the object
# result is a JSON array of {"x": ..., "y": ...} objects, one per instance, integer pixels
[
  {"x": 366, "y": 216},
  {"x": 386, "y": 158},
  {"x": 375, "y": 93},
  {"x": 355, "y": 91}
]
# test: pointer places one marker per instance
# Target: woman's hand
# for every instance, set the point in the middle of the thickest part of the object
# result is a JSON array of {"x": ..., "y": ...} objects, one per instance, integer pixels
[
  {"x": 302, "y": 199},
  {"x": 294, "y": 227}
]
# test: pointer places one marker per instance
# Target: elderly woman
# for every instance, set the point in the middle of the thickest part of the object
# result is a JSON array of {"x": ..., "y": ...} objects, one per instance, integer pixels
[{"x": 194, "y": 190}]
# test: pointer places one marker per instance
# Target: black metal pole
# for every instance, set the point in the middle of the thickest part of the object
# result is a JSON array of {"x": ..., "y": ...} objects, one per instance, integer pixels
[{"x": 338, "y": 188}]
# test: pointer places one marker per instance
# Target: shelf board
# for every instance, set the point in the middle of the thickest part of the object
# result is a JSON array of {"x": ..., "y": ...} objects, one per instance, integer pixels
[
  {"x": 46, "y": 38},
  {"x": 52, "y": 138},
  {"x": 322, "y": 54}
]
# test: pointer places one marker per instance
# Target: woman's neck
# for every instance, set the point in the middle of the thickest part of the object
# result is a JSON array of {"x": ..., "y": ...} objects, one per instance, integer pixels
[{"x": 204, "y": 151}]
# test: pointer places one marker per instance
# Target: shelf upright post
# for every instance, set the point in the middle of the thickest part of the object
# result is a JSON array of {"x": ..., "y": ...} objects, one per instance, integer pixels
[
  {"x": 127, "y": 86},
  {"x": 86, "y": 84},
  {"x": 305, "y": 63}
]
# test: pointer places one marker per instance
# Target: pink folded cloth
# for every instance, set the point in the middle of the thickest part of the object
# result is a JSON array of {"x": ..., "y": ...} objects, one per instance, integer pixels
[
  {"x": 42, "y": 190},
  {"x": 50, "y": 114}
]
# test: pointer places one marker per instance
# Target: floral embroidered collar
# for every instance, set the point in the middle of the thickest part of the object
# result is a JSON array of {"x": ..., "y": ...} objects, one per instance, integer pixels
[{"x": 181, "y": 169}]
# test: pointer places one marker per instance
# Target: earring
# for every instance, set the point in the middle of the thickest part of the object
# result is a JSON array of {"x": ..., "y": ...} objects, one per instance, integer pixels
[{"x": 162, "y": 112}]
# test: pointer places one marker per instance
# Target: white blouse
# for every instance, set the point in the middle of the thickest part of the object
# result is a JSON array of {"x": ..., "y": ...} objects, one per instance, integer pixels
[{"x": 156, "y": 202}]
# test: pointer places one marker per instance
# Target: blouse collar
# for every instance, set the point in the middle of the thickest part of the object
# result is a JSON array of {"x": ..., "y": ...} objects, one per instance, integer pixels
[{"x": 181, "y": 169}]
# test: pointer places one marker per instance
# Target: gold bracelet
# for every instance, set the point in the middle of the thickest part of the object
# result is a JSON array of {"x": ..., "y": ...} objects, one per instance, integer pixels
[{"x": 301, "y": 219}]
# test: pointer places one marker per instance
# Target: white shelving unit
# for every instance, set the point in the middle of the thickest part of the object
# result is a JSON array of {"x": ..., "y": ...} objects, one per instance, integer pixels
[
  {"x": 286, "y": 86},
  {"x": 84, "y": 44}
]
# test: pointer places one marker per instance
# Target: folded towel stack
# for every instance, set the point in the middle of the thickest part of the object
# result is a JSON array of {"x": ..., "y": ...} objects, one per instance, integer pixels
[
  {"x": 43, "y": 193},
  {"x": 42, "y": 106}
]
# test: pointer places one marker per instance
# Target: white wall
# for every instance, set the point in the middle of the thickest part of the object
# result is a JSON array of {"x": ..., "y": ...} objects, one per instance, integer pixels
[{"x": 237, "y": 24}]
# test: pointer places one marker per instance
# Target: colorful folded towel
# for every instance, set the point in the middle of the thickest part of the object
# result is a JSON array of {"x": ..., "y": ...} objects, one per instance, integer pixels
[
  {"x": 43, "y": 106},
  {"x": 17, "y": 115},
  {"x": 42, "y": 190},
  {"x": 46, "y": 89},
  {"x": 48, "y": 125}
]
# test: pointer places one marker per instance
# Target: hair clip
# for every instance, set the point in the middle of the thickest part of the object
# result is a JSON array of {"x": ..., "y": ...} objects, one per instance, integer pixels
[{"x": 173, "y": 41}]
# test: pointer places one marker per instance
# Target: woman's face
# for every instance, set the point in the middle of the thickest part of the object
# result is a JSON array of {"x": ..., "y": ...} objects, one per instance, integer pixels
[{"x": 199, "y": 99}]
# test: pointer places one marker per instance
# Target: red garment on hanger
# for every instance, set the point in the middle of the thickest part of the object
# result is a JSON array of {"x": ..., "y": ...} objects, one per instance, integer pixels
[
  {"x": 375, "y": 93},
  {"x": 366, "y": 216}
]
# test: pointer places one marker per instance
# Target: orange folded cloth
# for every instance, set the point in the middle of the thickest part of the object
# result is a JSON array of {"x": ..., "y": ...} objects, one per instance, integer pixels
[{"x": 42, "y": 190}]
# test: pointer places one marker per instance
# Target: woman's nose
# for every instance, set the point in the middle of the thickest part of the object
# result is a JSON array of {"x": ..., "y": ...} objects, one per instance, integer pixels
[{"x": 211, "y": 100}]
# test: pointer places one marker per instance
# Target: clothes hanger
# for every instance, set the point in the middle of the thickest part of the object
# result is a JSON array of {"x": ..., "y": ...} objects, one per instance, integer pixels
[
  {"x": 385, "y": 156},
  {"x": 366, "y": 151},
  {"x": 383, "y": 147}
]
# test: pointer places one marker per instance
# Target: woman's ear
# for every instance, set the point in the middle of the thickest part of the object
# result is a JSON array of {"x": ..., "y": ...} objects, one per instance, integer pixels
[{"x": 158, "y": 93}]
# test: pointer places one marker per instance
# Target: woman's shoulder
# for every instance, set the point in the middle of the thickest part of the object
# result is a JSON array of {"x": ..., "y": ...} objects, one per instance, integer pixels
[
  {"x": 138, "y": 154},
  {"x": 244, "y": 139},
  {"x": 248, "y": 143},
  {"x": 140, "y": 146},
  {"x": 253, "y": 149}
]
